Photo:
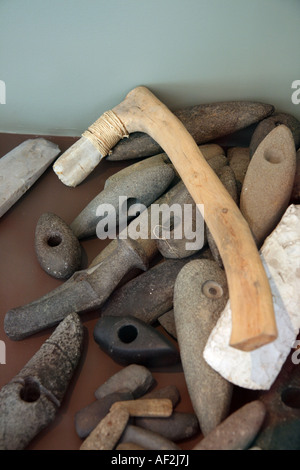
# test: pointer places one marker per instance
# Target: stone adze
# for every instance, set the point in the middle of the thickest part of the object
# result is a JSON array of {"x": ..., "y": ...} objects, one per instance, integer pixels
[
  {"x": 21, "y": 167},
  {"x": 205, "y": 123},
  {"x": 253, "y": 320},
  {"x": 29, "y": 402}
]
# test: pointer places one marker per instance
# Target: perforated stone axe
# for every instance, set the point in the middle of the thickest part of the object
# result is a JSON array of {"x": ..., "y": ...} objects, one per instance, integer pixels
[{"x": 253, "y": 320}]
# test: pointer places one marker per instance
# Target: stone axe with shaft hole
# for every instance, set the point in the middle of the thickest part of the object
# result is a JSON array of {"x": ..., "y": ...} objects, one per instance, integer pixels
[{"x": 253, "y": 320}]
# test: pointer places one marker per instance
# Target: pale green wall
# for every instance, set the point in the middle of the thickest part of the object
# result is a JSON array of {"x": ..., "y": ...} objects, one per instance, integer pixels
[{"x": 64, "y": 62}]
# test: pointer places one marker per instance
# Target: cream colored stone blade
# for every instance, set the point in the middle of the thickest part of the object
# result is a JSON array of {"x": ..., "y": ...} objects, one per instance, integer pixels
[
  {"x": 76, "y": 163},
  {"x": 258, "y": 369},
  {"x": 21, "y": 167}
]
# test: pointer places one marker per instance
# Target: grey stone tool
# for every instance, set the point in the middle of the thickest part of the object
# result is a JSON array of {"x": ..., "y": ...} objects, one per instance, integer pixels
[
  {"x": 270, "y": 123},
  {"x": 177, "y": 427},
  {"x": 58, "y": 250},
  {"x": 128, "y": 340},
  {"x": 148, "y": 295},
  {"x": 147, "y": 439},
  {"x": 135, "y": 377},
  {"x": 29, "y": 402},
  {"x": 88, "y": 417},
  {"x": 21, "y": 167},
  {"x": 142, "y": 182},
  {"x": 237, "y": 431},
  {"x": 269, "y": 182},
  {"x": 200, "y": 295},
  {"x": 205, "y": 122},
  {"x": 86, "y": 290}
]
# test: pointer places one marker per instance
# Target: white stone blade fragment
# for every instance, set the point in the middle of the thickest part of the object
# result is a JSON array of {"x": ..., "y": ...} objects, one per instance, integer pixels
[
  {"x": 74, "y": 165},
  {"x": 257, "y": 370},
  {"x": 21, "y": 167}
]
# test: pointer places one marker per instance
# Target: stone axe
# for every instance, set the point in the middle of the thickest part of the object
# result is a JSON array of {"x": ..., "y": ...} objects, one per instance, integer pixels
[{"x": 253, "y": 320}]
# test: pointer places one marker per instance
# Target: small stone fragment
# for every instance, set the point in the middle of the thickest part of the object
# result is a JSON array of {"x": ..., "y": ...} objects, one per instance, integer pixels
[
  {"x": 136, "y": 378},
  {"x": 129, "y": 340},
  {"x": 177, "y": 427},
  {"x": 147, "y": 439},
  {"x": 58, "y": 250},
  {"x": 238, "y": 431},
  {"x": 147, "y": 407},
  {"x": 270, "y": 123},
  {"x": 88, "y": 417},
  {"x": 107, "y": 433},
  {"x": 269, "y": 182},
  {"x": 239, "y": 159},
  {"x": 200, "y": 295}
]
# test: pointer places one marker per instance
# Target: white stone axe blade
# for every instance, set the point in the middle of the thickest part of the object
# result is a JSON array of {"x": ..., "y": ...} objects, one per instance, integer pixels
[
  {"x": 258, "y": 369},
  {"x": 21, "y": 167},
  {"x": 253, "y": 320}
]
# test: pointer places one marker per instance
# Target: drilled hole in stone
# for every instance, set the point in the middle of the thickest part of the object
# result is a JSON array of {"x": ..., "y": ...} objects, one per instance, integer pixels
[
  {"x": 30, "y": 391},
  {"x": 291, "y": 397},
  {"x": 54, "y": 240},
  {"x": 273, "y": 156},
  {"x": 212, "y": 289},
  {"x": 127, "y": 333}
]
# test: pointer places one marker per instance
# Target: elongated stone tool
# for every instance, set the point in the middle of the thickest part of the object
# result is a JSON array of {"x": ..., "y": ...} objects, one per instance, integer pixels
[
  {"x": 30, "y": 401},
  {"x": 237, "y": 431},
  {"x": 86, "y": 290},
  {"x": 57, "y": 248},
  {"x": 268, "y": 183},
  {"x": 200, "y": 295},
  {"x": 135, "y": 377},
  {"x": 108, "y": 432},
  {"x": 205, "y": 122},
  {"x": 129, "y": 340},
  {"x": 148, "y": 295},
  {"x": 141, "y": 111},
  {"x": 21, "y": 167},
  {"x": 147, "y": 439},
  {"x": 270, "y": 123},
  {"x": 177, "y": 427},
  {"x": 257, "y": 370},
  {"x": 146, "y": 407},
  {"x": 141, "y": 183},
  {"x": 88, "y": 417},
  {"x": 281, "y": 428}
]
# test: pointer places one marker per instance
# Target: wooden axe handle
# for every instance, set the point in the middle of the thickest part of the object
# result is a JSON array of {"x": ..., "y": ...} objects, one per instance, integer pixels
[{"x": 253, "y": 320}]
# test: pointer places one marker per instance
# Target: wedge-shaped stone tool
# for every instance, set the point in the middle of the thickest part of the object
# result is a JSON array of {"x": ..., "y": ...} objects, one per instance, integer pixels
[
  {"x": 281, "y": 428},
  {"x": 148, "y": 295},
  {"x": 268, "y": 183},
  {"x": 88, "y": 417},
  {"x": 200, "y": 295},
  {"x": 141, "y": 183},
  {"x": 129, "y": 340},
  {"x": 147, "y": 439},
  {"x": 57, "y": 248},
  {"x": 205, "y": 122},
  {"x": 30, "y": 401},
  {"x": 258, "y": 369},
  {"x": 21, "y": 167},
  {"x": 177, "y": 427},
  {"x": 141, "y": 111},
  {"x": 86, "y": 290},
  {"x": 135, "y": 377},
  {"x": 237, "y": 431},
  {"x": 270, "y": 123}
]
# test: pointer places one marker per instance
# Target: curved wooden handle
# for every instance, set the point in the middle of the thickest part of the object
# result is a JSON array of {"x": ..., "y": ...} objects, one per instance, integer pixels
[{"x": 253, "y": 320}]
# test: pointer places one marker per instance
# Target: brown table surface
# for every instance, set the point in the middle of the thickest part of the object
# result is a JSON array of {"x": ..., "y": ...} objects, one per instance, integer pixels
[{"x": 22, "y": 280}]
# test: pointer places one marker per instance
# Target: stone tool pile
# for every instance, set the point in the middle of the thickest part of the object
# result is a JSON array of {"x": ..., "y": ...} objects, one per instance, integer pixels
[{"x": 185, "y": 291}]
